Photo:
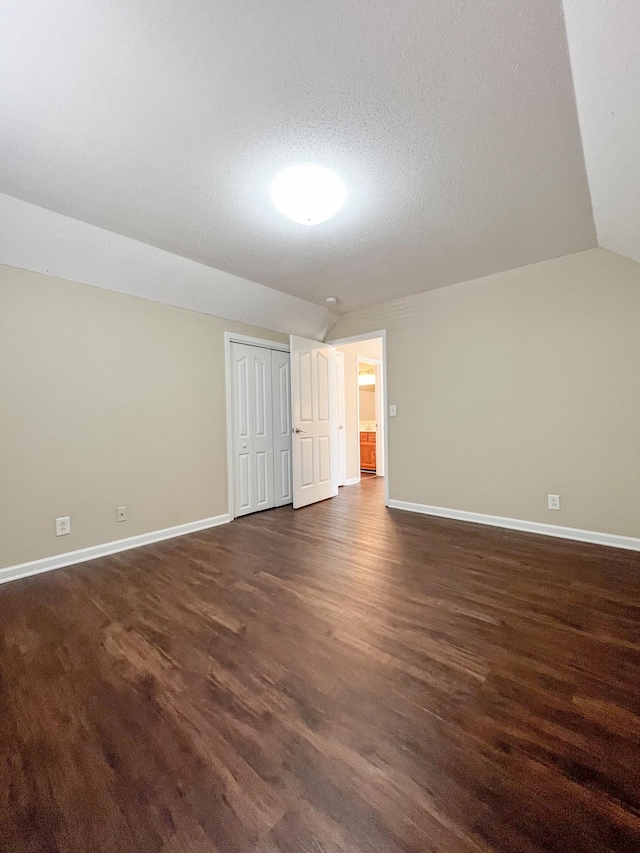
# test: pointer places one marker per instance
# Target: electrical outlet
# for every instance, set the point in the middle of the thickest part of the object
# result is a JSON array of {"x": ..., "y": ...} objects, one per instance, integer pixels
[
  {"x": 553, "y": 501},
  {"x": 392, "y": 411},
  {"x": 121, "y": 513},
  {"x": 63, "y": 526}
]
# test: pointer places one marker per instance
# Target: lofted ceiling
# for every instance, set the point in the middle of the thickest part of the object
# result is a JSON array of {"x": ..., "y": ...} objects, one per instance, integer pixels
[
  {"x": 452, "y": 123},
  {"x": 604, "y": 43}
]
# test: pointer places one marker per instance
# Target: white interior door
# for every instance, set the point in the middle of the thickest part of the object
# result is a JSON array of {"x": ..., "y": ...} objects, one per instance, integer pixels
[
  {"x": 340, "y": 417},
  {"x": 281, "y": 385},
  {"x": 252, "y": 425},
  {"x": 315, "y": 440}
]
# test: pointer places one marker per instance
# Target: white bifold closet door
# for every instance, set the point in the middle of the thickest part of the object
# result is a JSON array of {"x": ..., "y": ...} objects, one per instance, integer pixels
[
  {"x": 261, "y": 426},
  {"x": 282, "y": 457}
]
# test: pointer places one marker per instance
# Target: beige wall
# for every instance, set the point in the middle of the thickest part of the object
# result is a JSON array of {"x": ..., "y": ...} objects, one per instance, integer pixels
[
  {"x": 106, "y": 400},
  {"x": 508, "y": 388},
  {"x": 516, "y": 386},
  {"x": 365, "y": 349}
]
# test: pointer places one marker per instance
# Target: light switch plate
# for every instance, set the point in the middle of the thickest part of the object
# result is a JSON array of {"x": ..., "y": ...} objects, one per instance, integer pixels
[{"x": 392, "y": 411}]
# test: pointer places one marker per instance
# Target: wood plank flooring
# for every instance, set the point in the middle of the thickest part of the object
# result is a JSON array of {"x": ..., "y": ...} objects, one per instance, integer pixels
[{"x": 340, "y": 679}]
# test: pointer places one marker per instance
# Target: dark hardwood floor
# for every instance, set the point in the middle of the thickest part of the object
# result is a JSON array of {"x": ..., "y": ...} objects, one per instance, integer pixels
[{"x": 341, "y": 678}]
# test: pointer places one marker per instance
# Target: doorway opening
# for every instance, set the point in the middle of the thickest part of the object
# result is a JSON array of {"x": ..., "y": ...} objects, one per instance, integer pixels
[
  {"x": 369, "y": 416},
  {"x": 361, "y": 360}
]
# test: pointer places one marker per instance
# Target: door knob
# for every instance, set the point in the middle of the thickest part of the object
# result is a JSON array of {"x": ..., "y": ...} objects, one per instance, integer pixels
[
  {"x": 298, "y": 430},
  {"x": 244, "y": 446},
  {"x": 340, "y": 426}
]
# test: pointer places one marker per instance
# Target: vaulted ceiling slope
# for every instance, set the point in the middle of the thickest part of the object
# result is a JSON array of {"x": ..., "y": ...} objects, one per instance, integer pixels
[
  {"x": 604, "y": 43},
  {"x": 43, "y": 241},
  {"x": 452, "y": 123}
]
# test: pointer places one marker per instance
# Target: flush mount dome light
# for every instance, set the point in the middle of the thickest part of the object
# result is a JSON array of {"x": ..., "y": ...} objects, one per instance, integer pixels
[{"x": 308, "y": 194}]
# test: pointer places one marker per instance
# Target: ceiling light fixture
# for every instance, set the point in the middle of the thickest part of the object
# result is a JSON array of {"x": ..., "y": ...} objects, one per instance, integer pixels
[
  {"x": 331, "y": 300},
  {"x": 308, "y": 194}
]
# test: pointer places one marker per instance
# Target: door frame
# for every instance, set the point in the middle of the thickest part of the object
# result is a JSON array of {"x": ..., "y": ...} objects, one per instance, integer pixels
[
  {"x": 381, "y": 466},
  {"x": 229, "y": 338},
  {"x": 342, "y": 433},
  {"x": 366, "y": 336}
]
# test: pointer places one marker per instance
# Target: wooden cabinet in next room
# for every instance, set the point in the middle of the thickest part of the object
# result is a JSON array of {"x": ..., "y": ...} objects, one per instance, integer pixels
[{"x": 368, "y": 451}]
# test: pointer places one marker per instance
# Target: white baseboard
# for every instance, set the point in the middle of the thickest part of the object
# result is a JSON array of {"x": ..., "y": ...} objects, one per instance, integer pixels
[
  {"x": 610, "y": 539},
  {"x": 70, "y": 558},
  {"x": 352, "y": 481}
]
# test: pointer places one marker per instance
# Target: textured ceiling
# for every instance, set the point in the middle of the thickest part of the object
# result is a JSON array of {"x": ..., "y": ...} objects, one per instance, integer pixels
[
  {"x": 604, "y": 42},
  {"x": 452, "y": 123}
]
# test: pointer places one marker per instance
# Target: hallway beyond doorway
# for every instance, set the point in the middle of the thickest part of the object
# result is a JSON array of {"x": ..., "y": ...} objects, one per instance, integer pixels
[{"x": 364, "y": 433}]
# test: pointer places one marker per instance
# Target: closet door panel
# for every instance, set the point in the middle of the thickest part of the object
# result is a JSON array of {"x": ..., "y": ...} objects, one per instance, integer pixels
[
  {"x": 252, "y": 428},
  {"x": 281, "y": 384}
]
